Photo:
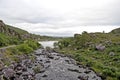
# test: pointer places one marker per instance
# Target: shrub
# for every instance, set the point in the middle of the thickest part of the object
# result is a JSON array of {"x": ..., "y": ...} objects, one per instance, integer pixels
[{"x": 24, "y": 48}]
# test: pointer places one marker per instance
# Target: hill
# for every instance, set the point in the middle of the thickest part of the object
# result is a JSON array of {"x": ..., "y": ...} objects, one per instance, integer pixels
[{"x": 116, "y": 31}]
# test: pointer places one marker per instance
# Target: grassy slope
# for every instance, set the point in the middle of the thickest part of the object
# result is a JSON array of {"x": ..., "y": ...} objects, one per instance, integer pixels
[
  {"x": 104, "y": 64},
  {"x": 20, "y": 31}
]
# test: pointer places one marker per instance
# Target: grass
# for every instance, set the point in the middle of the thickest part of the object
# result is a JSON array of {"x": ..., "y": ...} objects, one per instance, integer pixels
[
  {"x": 82, "y": 49},
  {"x": 18, "y": 52}
]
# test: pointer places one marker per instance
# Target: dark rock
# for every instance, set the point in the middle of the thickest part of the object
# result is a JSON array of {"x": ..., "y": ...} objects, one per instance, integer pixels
[
  {"x": 87, "y": 71},
  {"x": 50, "y": 56},
  {"x": 28, "y": 76},
  {"x": 44, "y": 75},
  {"x": 82, "y": 78},
  {"x": 19, "y": 69},
  {"x": 48, "y": 61},
  {"x": 68, "y": 61},
  {"x": 74, "y": 70}
]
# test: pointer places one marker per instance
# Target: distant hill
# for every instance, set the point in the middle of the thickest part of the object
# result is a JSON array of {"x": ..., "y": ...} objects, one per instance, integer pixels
[
  {"x": 12, "y": 35},
  {"x": 116, "y": 31},
  {"x": 13, "y": 31}
]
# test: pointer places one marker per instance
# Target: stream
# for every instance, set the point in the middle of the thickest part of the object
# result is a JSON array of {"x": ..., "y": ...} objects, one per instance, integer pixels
[
  {"x": 48, "y": 65},
  {"x": 60, "y": 67}
]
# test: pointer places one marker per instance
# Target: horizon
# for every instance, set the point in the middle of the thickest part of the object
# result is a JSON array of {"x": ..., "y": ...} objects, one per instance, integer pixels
[{"x": 61, "y": 18}]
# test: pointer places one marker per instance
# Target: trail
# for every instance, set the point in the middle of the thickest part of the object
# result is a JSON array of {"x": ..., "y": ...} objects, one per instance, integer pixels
[{"x": 2, "y": 49}]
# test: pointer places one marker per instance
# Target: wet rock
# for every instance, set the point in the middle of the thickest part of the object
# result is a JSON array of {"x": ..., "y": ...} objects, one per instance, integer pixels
[
  {"x": 57, "y": 58},
  {"x": 27, "y": 76},
  {"x": 50, "y": 56},
  {"x": 74, "y": 70},
  {"x": 83, "y": 78},
  {"x": 28, "y": 63},
  {"x": 68, "y": 61},
  {"x": 61, "y": 55},
  {"x": 44, "y": 75},
  {"x": 18, "y": 78},
  {"x": 48, "y": 61},
  {"x": 87, "y": 71}
]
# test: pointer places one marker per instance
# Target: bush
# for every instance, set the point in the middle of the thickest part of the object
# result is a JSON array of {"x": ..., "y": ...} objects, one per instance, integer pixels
[
  {"x": 32, "y": 44},
  {"x": 24, "y": 48}
]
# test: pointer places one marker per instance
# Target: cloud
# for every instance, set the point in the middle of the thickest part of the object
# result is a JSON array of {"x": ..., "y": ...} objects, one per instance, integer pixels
[{"x": 61, "y": 17}]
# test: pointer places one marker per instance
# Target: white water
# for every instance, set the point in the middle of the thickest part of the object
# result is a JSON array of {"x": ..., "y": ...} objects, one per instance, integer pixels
[{"x": 47, "y": 43}]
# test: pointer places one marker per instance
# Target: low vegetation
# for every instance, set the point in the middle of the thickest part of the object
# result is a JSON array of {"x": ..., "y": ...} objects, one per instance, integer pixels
[
  {"x": 99, "y": 51},
  {"x": 19, "y": 52}
]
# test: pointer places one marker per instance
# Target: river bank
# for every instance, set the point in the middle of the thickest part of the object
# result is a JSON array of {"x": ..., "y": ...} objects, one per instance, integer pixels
[{"x": 48, "y": 65}]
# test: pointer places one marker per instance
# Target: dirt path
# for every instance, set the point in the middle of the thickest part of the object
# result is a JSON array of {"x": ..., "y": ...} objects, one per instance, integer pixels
[{"x": 2, "y": 49}]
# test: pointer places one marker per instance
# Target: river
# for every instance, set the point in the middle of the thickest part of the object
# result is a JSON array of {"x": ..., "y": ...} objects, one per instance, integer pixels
[
  {"x": 47, "y": 43},
  {"x": 48, "y": 65}
]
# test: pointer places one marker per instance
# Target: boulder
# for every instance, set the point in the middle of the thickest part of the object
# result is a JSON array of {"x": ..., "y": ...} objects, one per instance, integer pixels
[
  {"x": 100, "y": 47},
  {"x": 9, "y": 74},
  {"x": 111, "y": 54}
]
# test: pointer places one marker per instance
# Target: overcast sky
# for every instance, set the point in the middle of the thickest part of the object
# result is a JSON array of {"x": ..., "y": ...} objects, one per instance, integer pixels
[{"x": 61, "y": 17}]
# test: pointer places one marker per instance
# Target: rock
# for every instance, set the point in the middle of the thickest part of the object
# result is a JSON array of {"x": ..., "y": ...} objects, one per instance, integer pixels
[
  {"x": 47, "y": 61},
  {"x": 83, "y": 78},
  {"x": 1, "y": 65},
  {"x": 74, "y": 70},
  {"x": 19, "y": 69},
  {"x": 68, "y": 61},
  {"x": 87, "y": 71},
  {"x": 28, "y": 76},
  {"x": 38, "y": 68},
  {"x": 9, "y": 74},
  {"x": 18, "y": 78},
  {"x": 111, "y": 54},
  {"x": 44, "y": 75},
  {"x": 50, "y": 56},
  {"x": 100, "y": 47}
]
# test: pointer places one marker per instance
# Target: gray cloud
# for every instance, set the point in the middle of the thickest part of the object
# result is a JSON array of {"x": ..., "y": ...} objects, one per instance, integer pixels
[{"x": 61, "y": 17}]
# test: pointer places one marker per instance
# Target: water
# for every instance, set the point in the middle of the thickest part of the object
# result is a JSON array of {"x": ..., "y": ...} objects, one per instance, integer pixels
[{"x": 47, "y": 43}]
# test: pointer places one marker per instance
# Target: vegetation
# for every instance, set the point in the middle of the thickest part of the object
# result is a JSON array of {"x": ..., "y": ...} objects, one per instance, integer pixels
[
  {"x": 18, "y": 52},
  {"x": 24, "y": 44},
  {"x": 100, "y": 51}
]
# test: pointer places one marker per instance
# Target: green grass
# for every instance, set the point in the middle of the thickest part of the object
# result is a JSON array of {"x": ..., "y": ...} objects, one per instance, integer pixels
[
  {"x": 17, "y": 52},
  {"x": 82, "y": 49}
]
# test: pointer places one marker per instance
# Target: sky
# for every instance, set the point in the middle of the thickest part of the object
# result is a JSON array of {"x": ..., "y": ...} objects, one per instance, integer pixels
[{"x": 61, "y": 17}]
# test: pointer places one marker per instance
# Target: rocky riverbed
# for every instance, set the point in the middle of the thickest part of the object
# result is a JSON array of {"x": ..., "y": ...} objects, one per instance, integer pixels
[{"x": 48, "y": 65}]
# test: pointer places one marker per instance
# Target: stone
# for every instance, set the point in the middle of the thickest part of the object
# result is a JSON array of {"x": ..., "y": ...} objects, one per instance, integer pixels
[
  {"x": 74, "y": 70},
  {"x": 111, "y": 54},
  {"x": 9, "y": 74},
  {"x": 100, "y": 47}
]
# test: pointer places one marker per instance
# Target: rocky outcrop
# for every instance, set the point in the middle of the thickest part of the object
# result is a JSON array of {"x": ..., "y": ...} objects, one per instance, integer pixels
[{"x": 12, "y": 31}]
